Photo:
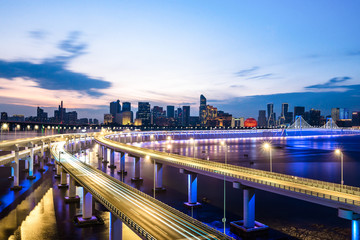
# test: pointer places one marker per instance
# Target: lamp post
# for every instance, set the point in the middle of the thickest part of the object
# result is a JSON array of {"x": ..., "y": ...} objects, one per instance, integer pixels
[
  {"x": 339, "y": 152},
  {"x": 267, "y": 146},
  {"x": 223, "y": 143}
]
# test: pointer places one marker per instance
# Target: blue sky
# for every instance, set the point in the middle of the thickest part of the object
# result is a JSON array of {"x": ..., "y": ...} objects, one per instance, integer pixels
[{"x": 240, "y": 54}]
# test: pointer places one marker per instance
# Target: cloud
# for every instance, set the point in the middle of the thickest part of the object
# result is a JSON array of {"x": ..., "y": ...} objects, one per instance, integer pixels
[
  {"x": 38, "y": 34},
  {"x": 263, "y": 76},
  {"x": 237, "y": 86},
  {"x": 247, "y": 72},
  {"x": 332, "y": 83},
  {"x": 53, "y": 74}
]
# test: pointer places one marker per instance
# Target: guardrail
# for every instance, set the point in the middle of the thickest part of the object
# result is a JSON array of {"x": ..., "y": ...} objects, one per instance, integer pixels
[{"x": 188, "y": 162}]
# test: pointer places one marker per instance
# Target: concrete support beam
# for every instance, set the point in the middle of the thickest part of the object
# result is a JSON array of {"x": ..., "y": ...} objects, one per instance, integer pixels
[
  {"x": 192, "y": 189},
  {"x": 63, "y": 179},
  {"x": 42, "y": 156},
  {"x": 87, "y": 207},
  {"x": 136, "y": 169},
  {"x": 105, "y": 156},
  {"x": 15, "y": 166},
  {"x": 355, "y": 230},
  {"x": 72, "y": 197},
  {"x": 159, "y": 177},
  {"x": 355, "y": 222},
  {"x": 115, "y": 228},
  {"x": 122, "y": 164},
  {"x": 249, "y": 207},
  {"x": 58, "y": 171},
  {"x": 112, "y": 159},
  {"x": 31, "y": 164}
]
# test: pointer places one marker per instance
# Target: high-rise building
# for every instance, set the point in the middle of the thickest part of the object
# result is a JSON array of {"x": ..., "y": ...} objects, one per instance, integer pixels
[
  {"x": 202, "y": 110},
  {"x": 115, "y": 108},
  {"x": 41, "y": 115},
  {"x": 157, "y": 115},
  {"x": 178, "y": 116},
  {"x": 315, "y": 117},
  {"x": 299, "y": 111},
  {"x": 108, "y": 118},
  {"x": 71, "y": 117},
  {"x": 4, "y": 116},
  {"x": 344, "y": 113},
  {"x": 186, "y": 116},
  {"x": 144, "y": 113},
  {"x": 284, "y": 113},
  {"x": 126, "y": 107},
  {"x": 59, "y": 114},
  {"x": 335, "y": 114},
  {"x": 355, "y": 121},
  {"x": 271, "y": 115},
  {"x": 170, "y": 111},
  {"x": 262, "y": 118}
]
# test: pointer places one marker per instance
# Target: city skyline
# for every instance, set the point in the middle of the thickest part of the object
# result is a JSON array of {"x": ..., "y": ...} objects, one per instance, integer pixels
[{"x": 167, "y": 54}]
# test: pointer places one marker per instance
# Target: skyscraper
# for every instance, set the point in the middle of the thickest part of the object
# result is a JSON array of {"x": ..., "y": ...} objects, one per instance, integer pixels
[
  {"x": 115, "y": 108},
  {"x": 262, "y": 118},
  {"x": 202, "y": 110},
  {"x": 335, "y": 114},
  {"x": 314, "y": 117},
  {"x": 170, "y": 111},
  {"x": 126, "y": 107},
  {"x": 271, "y": 115},
  {"x": 144, "y": 113},
  {"x": 299, "y": 111},
  {"x": 344, "y": 113},
  {"x": 186, "y": 116}
]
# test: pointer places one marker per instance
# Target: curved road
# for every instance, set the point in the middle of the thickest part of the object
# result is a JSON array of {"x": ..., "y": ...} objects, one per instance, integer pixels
[{"x": 158, "y": 221}]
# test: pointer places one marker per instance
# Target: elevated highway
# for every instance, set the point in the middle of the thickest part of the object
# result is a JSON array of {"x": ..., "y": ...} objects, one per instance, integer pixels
[{"x": 148, "y": 217}]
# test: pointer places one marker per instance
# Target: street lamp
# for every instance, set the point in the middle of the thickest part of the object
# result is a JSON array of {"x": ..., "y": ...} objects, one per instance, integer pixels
[
  {"x": 193, "y": 142},
  {"x": 267, "y": 146},
  {"x": 223, "y": 143},
  {"x": 339, "y": 152}
]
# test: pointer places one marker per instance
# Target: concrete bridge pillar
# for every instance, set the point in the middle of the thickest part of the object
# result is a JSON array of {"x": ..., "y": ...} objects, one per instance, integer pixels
[
  {"x": 115, "y": 228},
  {"x": 87, "y": 207},
  {"x": 158, "y": 177},
  {"x": 15, "y": 166},
  {"x": 355, "y": 221},
  {"x": 63, "y": 179},
  {"x": 122, "y": 163},
  {"x": 105, "y": 155},
  {"x": 26, "y": 162},
  {"x": 249, "y": 207},
  {"x": 192, "y": 189},
  {"x": 136, "y": 169},
  {"x": 58, "y": 170},
  {"x": 355, "y": 230},
  {"x": 31, "y": 164},
  {"x": 112, "y": 159},
  {"x": 72, "y": 197},
  {"x": 42, "y": 156}
]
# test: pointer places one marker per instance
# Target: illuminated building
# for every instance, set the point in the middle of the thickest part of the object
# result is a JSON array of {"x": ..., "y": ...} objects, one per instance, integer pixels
[{"x": 250, "y": 122}]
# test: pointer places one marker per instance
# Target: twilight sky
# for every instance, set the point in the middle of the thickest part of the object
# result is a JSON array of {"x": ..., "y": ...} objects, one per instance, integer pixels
[{"x": 240, "y": 54}]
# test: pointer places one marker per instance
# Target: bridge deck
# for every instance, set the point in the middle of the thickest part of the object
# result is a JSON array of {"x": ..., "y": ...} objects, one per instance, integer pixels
[
  {"x": 325, "y": 193},
  {"x": 148, "y": 217}
]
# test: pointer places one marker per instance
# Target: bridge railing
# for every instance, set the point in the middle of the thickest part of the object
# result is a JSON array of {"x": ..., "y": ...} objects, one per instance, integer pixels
[{"x": 299, "y": 180}]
